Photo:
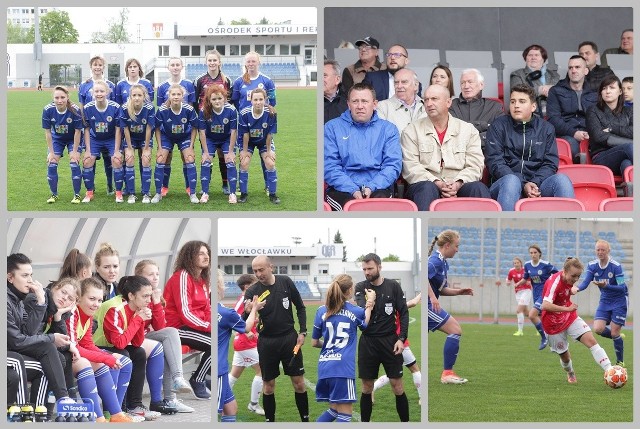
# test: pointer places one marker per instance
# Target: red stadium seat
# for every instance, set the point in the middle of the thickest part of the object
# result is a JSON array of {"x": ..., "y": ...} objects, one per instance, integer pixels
[
  {"x": 461, "y": 204},
  {"x": 620, "y": 204},
  {"x": 627, "y": 184},
  {"x": 327, "y": 207},
  {"x": 564, "y": 151},
  {"x": 380, "y": 205},
  {"x": 549, "y": 204},
  {"x": 591, "y": 183}
]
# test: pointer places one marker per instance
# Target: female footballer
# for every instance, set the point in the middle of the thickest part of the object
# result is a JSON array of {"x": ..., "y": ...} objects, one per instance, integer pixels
[
  {"x": 134, "y": 75},
  {"x": 62, "y": 124},
  {"x": 523, "y": 293}
]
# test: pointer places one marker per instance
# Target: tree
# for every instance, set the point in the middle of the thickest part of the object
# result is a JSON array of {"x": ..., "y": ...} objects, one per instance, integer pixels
[
  {"x": 264, "y": 21},
  {"x": 17, "y": 34},
  {"x": 241, "y": 21},
  {"x": 391, "y": 258},
  {"x": 56, "y": 27},
  {"x": 116, "y": 30},
  {"x": 337, "y": 239}
]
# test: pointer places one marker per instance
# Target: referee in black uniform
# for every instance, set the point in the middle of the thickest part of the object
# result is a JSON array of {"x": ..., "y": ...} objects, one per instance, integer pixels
[
  {"x": 277, "y": 335},
  {"x": 379, "y": 343}
]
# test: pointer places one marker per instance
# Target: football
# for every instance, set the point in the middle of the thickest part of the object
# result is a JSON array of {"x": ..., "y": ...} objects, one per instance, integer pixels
[{"x": 615, "y": 377}]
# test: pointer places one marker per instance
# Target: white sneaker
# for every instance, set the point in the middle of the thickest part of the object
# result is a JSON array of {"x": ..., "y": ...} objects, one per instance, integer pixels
[
  {"x": 194, "y": 199},
  {"x": 255, "y": 409},
  {"x": 450, "y": 377},
  {"x": 180, "y": 406},
  {"x": 132, "y": 199},
  {"x": 180, "y": 385},
  {"x": 156, "y": 198},
  {"x": 146, "y": 199},
  {"x": 203, "y": 199}
]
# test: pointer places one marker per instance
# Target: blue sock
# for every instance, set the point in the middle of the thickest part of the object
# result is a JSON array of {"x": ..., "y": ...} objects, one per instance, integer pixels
[
  {"x": 228, "y": 419},
  {"x": 158, "y": 175},
  {"x": 155, "y": 369},
  {"x": 88, "y": 389},
  {"x": 108, "y": 171},
  {"x": 540, "y": 330},
  {"x": 618, "y": 346},
  {"x": 185, "y": 174},
  {"x": 606, "y": 333},
  {"x": 264, "y": 173},
  {"x": 146, "y": 180},
  {"x": 192, "y": 177},
  {"x": 130, "y": 177},
  {"x": 107, "y": 390},
  {"x": 88, "y": 176},
  {"x": 451, "y": 347},
  {"x": 118, "y": 174},
  {"x": 343, "y": 418},
  {"x": 167, "y": 175},
  {"x": 328, "y": 416},
  {"x": 52, "y": 177},
  {"x": 205, "y": 176},
  {"x": 76, "y": 177},
  {"x": 123, "y": 378},
  {"x": 272, "y": 180},
  {"x": 244, "y": 182},
  {"x": 232, "y": 176}
]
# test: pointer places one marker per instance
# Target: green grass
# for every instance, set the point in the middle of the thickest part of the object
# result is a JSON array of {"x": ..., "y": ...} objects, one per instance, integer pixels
[
  {"x": 384, "y": 409},
  {"x": 296, "y": 148},
  {"x": 511, "y": 381}
]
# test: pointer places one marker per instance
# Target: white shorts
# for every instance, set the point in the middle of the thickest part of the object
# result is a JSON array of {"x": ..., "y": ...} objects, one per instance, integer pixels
[
  {"x": 407, "y": 356},
  {"x": 559, "y": 342},
  {"x": 523, "y": 297},
  {"x": 245, "y": 358}
]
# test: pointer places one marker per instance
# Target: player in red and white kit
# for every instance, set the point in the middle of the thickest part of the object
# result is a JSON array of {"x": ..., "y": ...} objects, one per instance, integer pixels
[
  {"x": 560, "y": 318},
  {"x": 245, "y": 351},
  {"x": 523, "y": 292}
]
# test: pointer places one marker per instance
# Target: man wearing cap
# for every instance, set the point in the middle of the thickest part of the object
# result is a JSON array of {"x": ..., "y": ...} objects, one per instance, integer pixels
[
  {"x": 382, "y": 80},
  {"x": 368, "y": 54}
]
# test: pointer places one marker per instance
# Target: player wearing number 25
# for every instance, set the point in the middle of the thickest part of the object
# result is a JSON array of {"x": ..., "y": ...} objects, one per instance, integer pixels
[{"x": 277, "y": 336}]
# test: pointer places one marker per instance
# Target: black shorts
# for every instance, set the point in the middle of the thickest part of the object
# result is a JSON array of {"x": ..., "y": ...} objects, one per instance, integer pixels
[
  {"x": 275, "y": 350},
  {"x": 373, "y": 351}
]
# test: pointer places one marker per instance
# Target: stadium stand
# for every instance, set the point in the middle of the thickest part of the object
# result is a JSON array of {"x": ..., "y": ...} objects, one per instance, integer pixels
[
  {"x": 616, "y": 204},
  {"x": 380, "y": 204},
  {"x": 549, "y": 204},
  {"x": 564, "y": 151},
  {"x": 465, "y": 204},
  {"x": 591, "y": 183}
]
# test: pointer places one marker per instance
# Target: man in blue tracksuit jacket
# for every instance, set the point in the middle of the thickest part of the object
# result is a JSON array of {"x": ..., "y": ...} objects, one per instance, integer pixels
[{"x": 362, "y": 155}]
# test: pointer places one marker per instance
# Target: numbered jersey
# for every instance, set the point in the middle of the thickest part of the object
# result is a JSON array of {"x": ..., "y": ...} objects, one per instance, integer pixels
[{"x": 338, "y": 355}]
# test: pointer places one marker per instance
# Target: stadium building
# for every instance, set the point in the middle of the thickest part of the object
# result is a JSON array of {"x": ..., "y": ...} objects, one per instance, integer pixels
[{"x": 288, "y": 54}]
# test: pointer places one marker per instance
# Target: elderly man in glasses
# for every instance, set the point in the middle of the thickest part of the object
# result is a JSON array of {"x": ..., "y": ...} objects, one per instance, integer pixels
[
  {"x": 368, "y": 61},
  {"x": 382, "y": 80}
]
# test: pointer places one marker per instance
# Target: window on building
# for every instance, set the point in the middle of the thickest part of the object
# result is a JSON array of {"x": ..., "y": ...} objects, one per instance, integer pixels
[
  {"x": 234, "y": 50},
  {"x": 295, "y": 49},
  {"x": 228, "y": 269},
  {"x": 195, "y": 50},
  {"x": 323, "y": 269},
  {"x": 184, "y": 51},
  {"x": 259, "y": 49},
  {"x": 314, "y": 76},
  {"x": 284, "y": 49},
  {"x": 249, "y": 269},
  {"x": 220, "y": 48},
  {"x": 295, "y": 268},
  {"x": 282, "y": 269},
  {"x": 237, "y": 269},
  {"x": 244, "y": 49},
  {"x": 270, "y": 49},
  {"x": 163, "y": 50},
  {"x": 305, "y": 269}
]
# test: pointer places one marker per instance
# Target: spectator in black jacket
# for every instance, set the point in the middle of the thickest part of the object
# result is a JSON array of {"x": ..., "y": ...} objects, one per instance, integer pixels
[
  {"x": 589, "y": 51},
  {"x": 335, "y": 98}
]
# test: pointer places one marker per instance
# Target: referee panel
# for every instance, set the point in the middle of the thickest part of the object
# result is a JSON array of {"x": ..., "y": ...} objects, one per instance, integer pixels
[
  {"x": 380, "y": 343},
  {"x": 277, "y": 334}
]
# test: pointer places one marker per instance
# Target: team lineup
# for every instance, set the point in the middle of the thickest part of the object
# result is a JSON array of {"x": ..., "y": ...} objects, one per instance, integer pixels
[{"x": 113, "y": 122}]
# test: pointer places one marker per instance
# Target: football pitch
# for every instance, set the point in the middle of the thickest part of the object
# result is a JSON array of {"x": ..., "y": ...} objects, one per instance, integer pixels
[
  {"x": 296, "y": 149},
  {"x": 384, "y": 409},
  {"x": 510, "y": 380}
]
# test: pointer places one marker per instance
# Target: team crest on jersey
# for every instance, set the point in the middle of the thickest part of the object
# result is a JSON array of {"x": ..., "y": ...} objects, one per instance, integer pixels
[
  {"x": 184, "y": 120},
  {"x": 109, "y": 118},
  {"x": 69, "y": 120},
  {"x": 260, "y": 85},
  {"x": 610, "y": 275},
  {"x": 265, "y": 125},
  {"x": 225, "y": 121},
  {"x": 144, "y": 121},
  {"x": 540, "y": 272},
  {"x": 388, "y": 308},
  {"x": 285, "y": 303}
]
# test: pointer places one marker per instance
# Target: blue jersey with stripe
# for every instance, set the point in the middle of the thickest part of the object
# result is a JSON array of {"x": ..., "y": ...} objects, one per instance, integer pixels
[
  {"x": 338, "y": 354},
  {"x": 219, "y": 126},
  {"x": 228, "y": 321},
  {"x": 62, "y": 125},
  {"x": 241, "y": 91},
  {"x": 177, "y": 126},
  {"x": 124, "y": 87},
  {"x": 437, "y": 269},
  {"x": 189, "y": 92},
  {"x": 102, "y": 123},
  {"x": 538, "y": 274},
  {"x": 258, "y": 128},
  {"x": 616, "y": 290},
  {"x": 85, "y": 91},
  {"x": 138, "y": 126}
]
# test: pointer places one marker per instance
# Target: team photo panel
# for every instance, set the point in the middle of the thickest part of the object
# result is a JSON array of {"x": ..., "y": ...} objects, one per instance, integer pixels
[
  {"x": 109, "y": 320},
  {"x": 322, "y": 331},
  {"x": 553, "y": 294}
]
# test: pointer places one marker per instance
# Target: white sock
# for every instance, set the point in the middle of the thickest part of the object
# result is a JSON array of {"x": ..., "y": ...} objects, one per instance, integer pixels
[
  {"x": 520, "y": 321},
  {"x": 381, "y": 382},
  {"x": 600, "y": 356},
  {"x": 256, "y": 388},
  {"x": 232, "y": 380},
  {"x": 567, "y": 366},
  {"x": 417, "y": 381}
]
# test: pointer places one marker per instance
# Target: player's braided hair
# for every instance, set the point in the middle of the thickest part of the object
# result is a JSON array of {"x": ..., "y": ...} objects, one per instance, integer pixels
[
  {"x": 337, "y": 294},
  {"x": 245, "y": 77},
  {"x": 446, "y": 236}
]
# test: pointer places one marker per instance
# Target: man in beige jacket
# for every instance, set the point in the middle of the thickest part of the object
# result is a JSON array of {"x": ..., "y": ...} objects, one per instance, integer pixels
[{"x": 441, "y": 155}]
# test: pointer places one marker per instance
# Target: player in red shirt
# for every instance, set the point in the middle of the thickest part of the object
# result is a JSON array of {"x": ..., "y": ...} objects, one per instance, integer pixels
[
  {"x": 560, "y": 319},
  {"x": 523, "y": 292}
]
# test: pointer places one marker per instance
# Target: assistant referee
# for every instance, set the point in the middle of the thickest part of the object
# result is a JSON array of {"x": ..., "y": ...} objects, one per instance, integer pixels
[
  {"x": 277, "y": 334},
  {"x": 379, "y": 343}
]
